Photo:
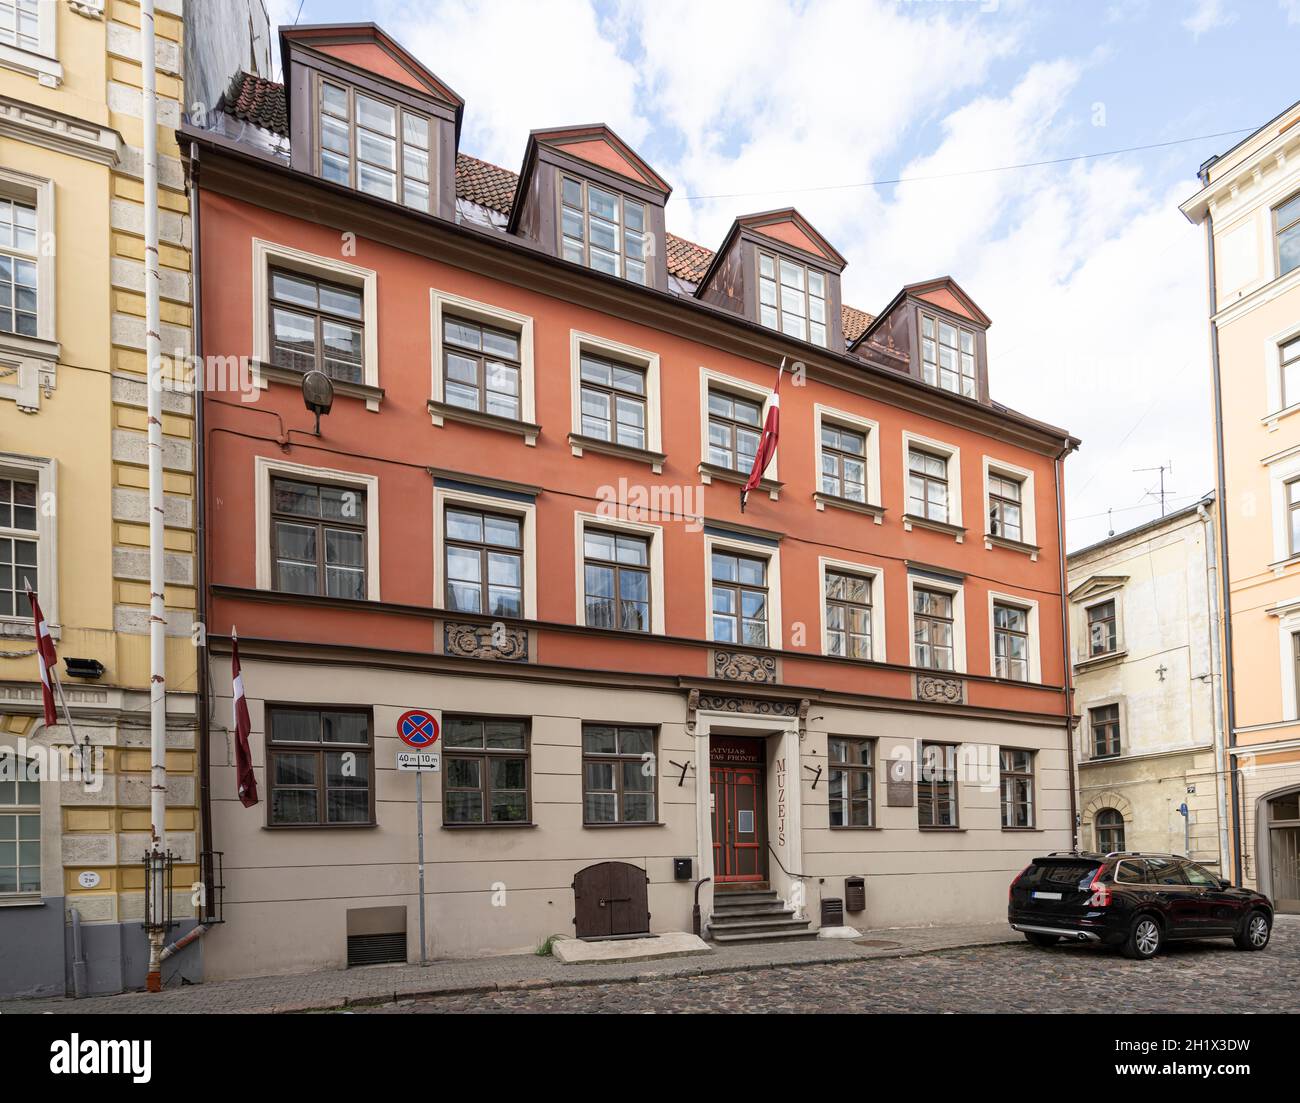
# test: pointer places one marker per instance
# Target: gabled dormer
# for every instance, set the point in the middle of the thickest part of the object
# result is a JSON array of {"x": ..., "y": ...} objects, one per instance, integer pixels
[
  {"x": 934, "y": 332},
  {"x": 586, "y": 196},
  {"x": 365, "y": 114},
  {"x": 774, "y": 268}
]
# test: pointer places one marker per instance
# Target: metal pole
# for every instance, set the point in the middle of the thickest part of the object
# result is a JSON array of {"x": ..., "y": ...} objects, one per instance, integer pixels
[
  {"x": 419, "y": 828},
  {"x": 153, "y": 367}
]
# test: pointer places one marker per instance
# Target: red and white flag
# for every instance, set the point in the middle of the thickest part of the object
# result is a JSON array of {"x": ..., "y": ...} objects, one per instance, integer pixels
[
  {"x": 767, "y": 442},
  {"x": 46, "y": 658},
  {"x": 244, "y": 779}
]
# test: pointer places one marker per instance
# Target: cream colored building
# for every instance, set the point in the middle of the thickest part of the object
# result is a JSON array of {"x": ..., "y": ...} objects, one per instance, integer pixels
[
  {"x": 1149, "y": 746},
  {"x": 1249, "y": 205}
]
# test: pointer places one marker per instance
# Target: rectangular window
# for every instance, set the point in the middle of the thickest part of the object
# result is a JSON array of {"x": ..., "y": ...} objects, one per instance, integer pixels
[
  {"x": 1286, "y": 227},
  {"x": 484, "y": 562},
  {"x": 485, "y": 777},
  {"x": 603, "y": 230},
  {"x": 1010, "y": 642},
  {"x": 844, "y": 463},
  {"x": 20, "y": 25},
  {"x": 1005, "y": 519},
  {"x": 1104, "y": 722},
  {"x": 1289, "y": 357},
  {"x": 613, "y": 396},
  {"x": 927, "y": 486},
  {"x": 481, "y": 366},
  {"x": 318, "y": 765},
  {"x": 318, "y": 535},
  {"x": 948, "y": 356},
  {"x": 936, "y": 786},
  {"x": 616, "y": 574},
  {"x": 18, "y": 547},
  {"x": 848, "y": 615},
  {"x": 850, "y": 781},
  {"x": 792, "y": 298},
  {"x": 1293, "y": 516},
  {"x": 361, "y": 146},
  {"x": 18, "y": 258},
  {"x": 618, "y": 774},
  {"x": 316, "y": 325},
  {"x": 20, "y": 831},
  {"x": 933, "y": 629},
  {"x": 739, "y": 599},
  {"x": 1102, "y": 636},
  {"x": 1017, "y": 788},
  {"x": 735, "y": 428}
]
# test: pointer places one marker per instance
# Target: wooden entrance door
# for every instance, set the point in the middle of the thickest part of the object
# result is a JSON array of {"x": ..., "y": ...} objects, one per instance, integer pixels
[
  {"x": 610, "y": 901},
  {"x": 739, "y": 835}
]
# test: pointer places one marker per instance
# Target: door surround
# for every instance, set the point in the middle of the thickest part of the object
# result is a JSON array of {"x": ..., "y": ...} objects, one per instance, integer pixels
[{"x": 1264, "y": 840}]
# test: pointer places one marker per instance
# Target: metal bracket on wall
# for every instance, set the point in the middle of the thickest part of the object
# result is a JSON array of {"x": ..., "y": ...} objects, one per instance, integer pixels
[
  {"x": 683, "y": 766},
  {"x": 817, "y": 773}
]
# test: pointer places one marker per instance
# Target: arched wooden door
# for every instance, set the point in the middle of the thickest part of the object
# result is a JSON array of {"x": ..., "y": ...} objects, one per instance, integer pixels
[{"x": 610, "y": 901}]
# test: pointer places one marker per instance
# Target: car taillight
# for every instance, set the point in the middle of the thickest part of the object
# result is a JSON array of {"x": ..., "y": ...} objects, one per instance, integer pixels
[
  {"x": 1100, "y": 893},
  {"x": 1011, "y": 887}
]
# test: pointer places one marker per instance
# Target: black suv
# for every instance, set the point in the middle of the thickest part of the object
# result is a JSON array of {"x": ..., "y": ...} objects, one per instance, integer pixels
[{"x": 1135, "y": 901}]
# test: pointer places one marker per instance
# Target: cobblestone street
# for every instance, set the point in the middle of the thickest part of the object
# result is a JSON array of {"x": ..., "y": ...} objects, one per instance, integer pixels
[{"x": 1209, "y": 976}]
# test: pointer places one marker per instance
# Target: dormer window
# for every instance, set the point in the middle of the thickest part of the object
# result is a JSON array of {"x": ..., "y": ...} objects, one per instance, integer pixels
[
  {"x": 948, "y": 355},
  {"x": 603, "y": 230},
  {"x": 792, "y": 298},
  {"x": 362, "y": 147}
]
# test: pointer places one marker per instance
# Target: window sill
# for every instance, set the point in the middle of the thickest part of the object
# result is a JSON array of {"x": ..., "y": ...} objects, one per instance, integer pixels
[
  {"x": 911, "y": 520},
  {"x": 1279, "y": 568},
  {"x": 1031, "y": 550},
  {"x": 853, "y": 827},
  {"x": 442, "y": 411},
  {"x": 824, "y": 500},
  {"x": 47, "y": 70},
  {"x": 710, "y": 471},
  {"x": 943, "y": 830},
  {"x": 318, "y": 826},
  {"x": 21, "y": 900},
  {"x": 24, "y": 628},
  {"x": 1270, "y": 421},
  {"x": 372, "y": 396},
  {"x": 487, "y": 826},
  {"x": 1099, "y": 660},
  {"x": 1024, "y": 830},
  {"x": 579, "y": 443},
  {"x": 648, "y": 823}
]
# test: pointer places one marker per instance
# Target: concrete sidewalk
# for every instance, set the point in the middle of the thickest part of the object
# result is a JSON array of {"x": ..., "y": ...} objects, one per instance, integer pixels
[{"x": 341, "y": 988}]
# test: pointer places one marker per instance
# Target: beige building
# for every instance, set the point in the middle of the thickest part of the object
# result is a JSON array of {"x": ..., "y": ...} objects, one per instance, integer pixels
[
  {"x": 1250, "y": 207},
  {"x": 1150, "y": 745}
]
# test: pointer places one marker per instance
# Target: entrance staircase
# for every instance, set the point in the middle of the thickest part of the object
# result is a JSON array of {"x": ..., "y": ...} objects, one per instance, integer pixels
[{"x": 755, "y": 914}]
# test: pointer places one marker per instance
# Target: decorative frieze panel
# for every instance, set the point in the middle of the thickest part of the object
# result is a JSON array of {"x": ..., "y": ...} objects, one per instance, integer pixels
[
  {"x": 748, "y": 706},
  {"x": 485, "y": 641},
  {"x": 738, "y": 666},
  {"x": 940, "y": 689}
]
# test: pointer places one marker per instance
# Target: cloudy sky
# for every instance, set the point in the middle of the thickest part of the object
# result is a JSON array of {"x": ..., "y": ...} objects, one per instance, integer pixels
[{"x": 1094, "y": 281}]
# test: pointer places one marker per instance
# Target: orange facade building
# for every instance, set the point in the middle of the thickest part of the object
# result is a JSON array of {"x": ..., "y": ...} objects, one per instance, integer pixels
[{"x": 522, "y": 514}]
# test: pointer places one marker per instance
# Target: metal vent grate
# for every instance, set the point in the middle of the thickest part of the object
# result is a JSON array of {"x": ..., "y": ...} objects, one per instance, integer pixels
[
  {"x": 832, "y": 911},
  {"x": 377, "y": 949}
]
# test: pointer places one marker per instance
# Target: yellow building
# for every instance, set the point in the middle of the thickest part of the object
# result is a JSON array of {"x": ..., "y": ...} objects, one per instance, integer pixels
[
  {"x": 73, "y": 478},
  {"x": 1250, "y": 206}
]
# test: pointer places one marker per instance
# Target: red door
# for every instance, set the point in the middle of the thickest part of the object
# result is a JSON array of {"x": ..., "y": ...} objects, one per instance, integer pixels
[{"x": 739, "y": 839}]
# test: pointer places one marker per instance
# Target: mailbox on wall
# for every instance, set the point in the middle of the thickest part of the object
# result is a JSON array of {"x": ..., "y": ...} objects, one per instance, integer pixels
[
  {"x": 682, "y": 869},
  {"x": 855, "y": 894}
]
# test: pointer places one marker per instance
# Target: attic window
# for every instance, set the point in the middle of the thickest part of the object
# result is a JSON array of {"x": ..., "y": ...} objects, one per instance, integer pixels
[
  {"x": 603, "y": 230},
  {"x": 360, "y": 146},
  {"x": 949, "y": 361},
  {"x": 792, "y": 298}
]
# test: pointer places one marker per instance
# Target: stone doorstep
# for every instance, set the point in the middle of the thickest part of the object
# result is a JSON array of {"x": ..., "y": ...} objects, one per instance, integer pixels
[{"x": 573, "y": 951}]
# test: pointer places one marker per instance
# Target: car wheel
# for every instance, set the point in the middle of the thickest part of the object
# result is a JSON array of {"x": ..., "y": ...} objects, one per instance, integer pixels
[
  {"x": 1044, "y": 940},
  {"x": 1144, "y": 938},
  {"x": 1255, "y": 932}
]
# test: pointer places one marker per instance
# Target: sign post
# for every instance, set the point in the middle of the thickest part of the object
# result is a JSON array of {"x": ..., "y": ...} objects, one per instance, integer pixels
[{"x": 419, "y": 730}]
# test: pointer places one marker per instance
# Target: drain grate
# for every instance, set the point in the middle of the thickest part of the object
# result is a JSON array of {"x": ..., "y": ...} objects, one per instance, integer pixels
[{"x": 877, "y": 943}]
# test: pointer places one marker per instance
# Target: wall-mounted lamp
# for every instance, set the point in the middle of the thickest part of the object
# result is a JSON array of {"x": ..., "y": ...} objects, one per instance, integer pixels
[
  {"x": 84, "y": 668},
  {"x": 317, "y": 394}
]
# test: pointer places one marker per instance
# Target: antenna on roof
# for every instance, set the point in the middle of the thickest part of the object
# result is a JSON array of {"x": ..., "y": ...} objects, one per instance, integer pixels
[
  {"x": 1162, "y": 493},
  {"x": 1110, "y": 520}
]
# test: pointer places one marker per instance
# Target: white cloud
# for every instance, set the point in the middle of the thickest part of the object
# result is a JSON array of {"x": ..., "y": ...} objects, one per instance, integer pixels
[
  {"x": 1206, "y": 15},
  {"x": 1292, "y": 9}
]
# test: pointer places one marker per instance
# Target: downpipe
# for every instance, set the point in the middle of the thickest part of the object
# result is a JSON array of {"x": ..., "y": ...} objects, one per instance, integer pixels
[{"x": 185, "y": 940}]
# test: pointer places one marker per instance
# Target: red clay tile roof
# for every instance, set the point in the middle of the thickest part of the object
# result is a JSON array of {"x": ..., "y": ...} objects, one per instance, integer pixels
[{"x": 261, "y": 102}]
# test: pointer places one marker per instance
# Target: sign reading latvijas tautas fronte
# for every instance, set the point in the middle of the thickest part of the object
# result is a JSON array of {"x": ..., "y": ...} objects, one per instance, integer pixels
[{"x": 733, "y": 751}]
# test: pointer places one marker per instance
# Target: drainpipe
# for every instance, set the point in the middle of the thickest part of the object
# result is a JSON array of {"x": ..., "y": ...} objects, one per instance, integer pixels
[
  {"x": 1216, "y": 677},
  {"x": 1067, "y": 681},
  {"x": 157, "y": 606}
]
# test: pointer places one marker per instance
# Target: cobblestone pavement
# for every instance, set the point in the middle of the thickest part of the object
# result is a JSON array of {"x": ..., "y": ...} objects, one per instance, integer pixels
[{"x": 1209, "y": 976}]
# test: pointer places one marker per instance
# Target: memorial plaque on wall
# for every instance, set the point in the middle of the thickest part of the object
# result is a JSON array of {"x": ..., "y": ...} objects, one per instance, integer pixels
[{"x": 899, "y": 790}]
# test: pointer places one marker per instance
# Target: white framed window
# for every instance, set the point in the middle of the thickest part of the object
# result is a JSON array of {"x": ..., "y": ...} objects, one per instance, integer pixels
[
  {"x": 931, "y": 483},
  {"x": 282, "y": 542},
  {"x": 28, "y": 541},
  {"x": 27, "y": 287},
  {"x": 1283, "y": 473},
  {"x": 614, "y": 391},
  {"x": 743, "y": 581},
  {"x": 937, "y": 622},
  {"x": 619, "y": 576},
  {"x": 1287, "y": 614},
  {"x": 28, "y": 41},
  {"x": 847, "y": 459},
  {"x": 1015, "y": 649},
  {"x": 732, "y": 415},
  {"x": 1100, "y": 627},
  {"x": 1281, "y": 357},
  {"x": 20, "y": 832},
  {"x": 484, "y": 543},
  {"x": 497, "y": 378},
  {"x": 793, "y": 298},
  {"x": 373, "y": 145},
  {"x": 1009, "y": 508},
  {"x": 603, "y": 229},
  {"x": 269, "y": 296},
  {"x": 852, "y": 615},
  {"x": 948, "y": 355}
]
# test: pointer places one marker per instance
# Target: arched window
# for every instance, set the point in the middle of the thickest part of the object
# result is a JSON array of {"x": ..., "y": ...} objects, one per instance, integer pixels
[
  {"x": 1109, "y": 828},
  {"x": 20, "y": 832}
]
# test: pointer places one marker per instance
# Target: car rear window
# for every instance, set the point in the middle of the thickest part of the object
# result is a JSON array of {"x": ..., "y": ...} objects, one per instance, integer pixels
[{"x": 1054, "y": 872}]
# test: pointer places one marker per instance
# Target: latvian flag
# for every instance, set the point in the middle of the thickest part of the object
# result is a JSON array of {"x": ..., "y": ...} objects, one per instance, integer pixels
[
  {"x": 244, "y": 778},
  {"x": 766, "y": 443},
  {"x": 47, "y": 659}
]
